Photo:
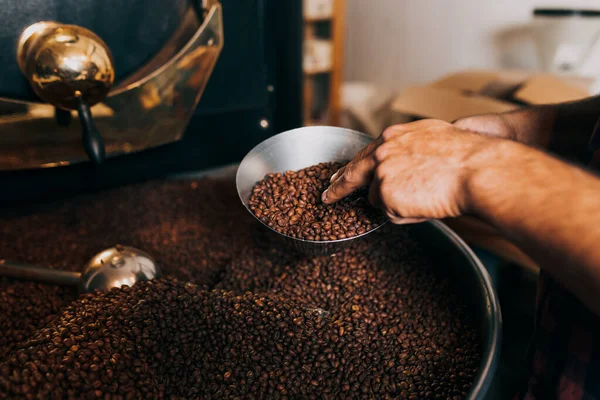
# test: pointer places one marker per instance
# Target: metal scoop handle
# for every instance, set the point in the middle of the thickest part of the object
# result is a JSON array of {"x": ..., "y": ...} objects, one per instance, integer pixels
[
  {"x": 93, "y": 144},
  {"x": 39, "y": 274}
]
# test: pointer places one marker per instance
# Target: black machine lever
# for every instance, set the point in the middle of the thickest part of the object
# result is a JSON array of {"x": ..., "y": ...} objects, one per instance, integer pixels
[{"x": 93, "y": 144}]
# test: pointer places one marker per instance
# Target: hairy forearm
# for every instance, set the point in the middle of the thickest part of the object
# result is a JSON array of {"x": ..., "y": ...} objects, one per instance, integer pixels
[{"x": 548, "y": 208}]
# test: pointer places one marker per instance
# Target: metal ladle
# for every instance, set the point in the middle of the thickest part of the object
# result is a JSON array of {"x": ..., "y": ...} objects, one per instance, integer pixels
[{"x": 111, "y": 268}]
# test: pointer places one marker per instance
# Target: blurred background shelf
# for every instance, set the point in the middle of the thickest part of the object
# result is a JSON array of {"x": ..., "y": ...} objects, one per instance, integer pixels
[
  {"x": 319, "y": 10},
  {"x": 324, "y": 35}
]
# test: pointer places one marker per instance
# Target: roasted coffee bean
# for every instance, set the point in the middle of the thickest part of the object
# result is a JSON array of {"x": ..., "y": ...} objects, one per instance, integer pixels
[
  {"x": 273, "y": 199},
  {"x": 237, "y": 316}
]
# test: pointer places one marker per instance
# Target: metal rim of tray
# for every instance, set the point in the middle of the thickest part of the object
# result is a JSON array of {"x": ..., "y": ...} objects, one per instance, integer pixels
[{"x": 491, "y": 354}]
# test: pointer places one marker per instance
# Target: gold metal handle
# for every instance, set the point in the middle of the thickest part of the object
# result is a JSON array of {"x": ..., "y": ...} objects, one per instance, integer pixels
[
  {"x": 61, "y": 60},
  {"x": 71, "y": 68},
  {"x": 150, "y": 108}
]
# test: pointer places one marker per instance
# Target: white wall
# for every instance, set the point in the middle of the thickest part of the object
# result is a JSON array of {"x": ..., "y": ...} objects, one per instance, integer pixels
[{"x": 398, "y": 42}]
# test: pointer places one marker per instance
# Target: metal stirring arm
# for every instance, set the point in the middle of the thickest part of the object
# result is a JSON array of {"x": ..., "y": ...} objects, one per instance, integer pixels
[
  {"x": 111, "y": 268},
  {"x": 39, "y": 274}
]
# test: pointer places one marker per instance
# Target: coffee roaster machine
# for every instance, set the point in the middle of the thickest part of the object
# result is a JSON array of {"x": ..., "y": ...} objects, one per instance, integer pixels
[{"x": 95, "y": 94}]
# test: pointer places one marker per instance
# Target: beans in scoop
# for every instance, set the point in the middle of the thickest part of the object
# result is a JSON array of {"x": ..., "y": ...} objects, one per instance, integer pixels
[{"x": 290, "y": 203}]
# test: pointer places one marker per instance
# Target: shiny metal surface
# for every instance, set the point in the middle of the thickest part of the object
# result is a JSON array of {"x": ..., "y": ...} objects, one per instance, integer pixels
[
  {"x": 456, "y": 262},
  {"x": 111, "y": 268},
  {"x": 39, "y": 274},
  {"x": 150, "y": 108},
  {"x": 60, "y": 61},
  {"x": 116, "y": 267},
  {"x": 134, "y": 30},
  {"x": 294, "y": 150}
]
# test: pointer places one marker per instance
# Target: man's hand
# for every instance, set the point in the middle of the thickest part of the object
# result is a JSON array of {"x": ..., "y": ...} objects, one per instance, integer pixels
[
  {"x": 530, "y": 126},
  {"x": 432, "y": 169},
  {"x": 416, "y": 171}
]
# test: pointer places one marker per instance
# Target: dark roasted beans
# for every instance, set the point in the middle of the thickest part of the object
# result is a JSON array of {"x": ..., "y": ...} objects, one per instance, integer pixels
[
  {"x": 290, "y": 203},
  {"x": 237, "y": 317}
]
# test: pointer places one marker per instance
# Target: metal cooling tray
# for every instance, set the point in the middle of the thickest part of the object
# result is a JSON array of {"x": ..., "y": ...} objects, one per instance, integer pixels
[{"x": 458, "y": 263}]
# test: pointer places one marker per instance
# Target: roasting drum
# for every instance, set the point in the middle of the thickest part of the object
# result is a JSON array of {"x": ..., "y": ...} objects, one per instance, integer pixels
[{"x": 456, "y": 261}]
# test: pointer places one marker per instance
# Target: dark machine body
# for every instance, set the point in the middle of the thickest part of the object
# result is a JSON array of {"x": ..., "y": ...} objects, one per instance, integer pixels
[{"x": 254, "y": 90}]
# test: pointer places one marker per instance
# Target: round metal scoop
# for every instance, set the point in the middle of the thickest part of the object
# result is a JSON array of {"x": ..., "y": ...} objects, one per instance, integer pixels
[
  {"x": 111, "y": 268},
  {"x": 294, "y": 150}
]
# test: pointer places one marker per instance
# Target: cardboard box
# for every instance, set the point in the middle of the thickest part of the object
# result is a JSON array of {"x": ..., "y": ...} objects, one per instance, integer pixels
[
  {"x": 480, "y": 92},
  {"x": 475, "y": 92},
  {"x": 446, "y": 104}
]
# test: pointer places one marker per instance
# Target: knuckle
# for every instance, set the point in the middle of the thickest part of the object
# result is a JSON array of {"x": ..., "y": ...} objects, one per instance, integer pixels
[
  {"x": 348, "y": 177},
  {"x": 335, "y": 190},
  {"x": 361, "y": 154},
  {"x": 367, "y": 150},
  {"x": 382, "y": 153},
  {"x": 383, "y": 170},
  {"x": 335, "y": 187},
  {"x": 389, "y": 133},
  {"x": 338, "y": 174},
  {"x": 411, "y": 135}
]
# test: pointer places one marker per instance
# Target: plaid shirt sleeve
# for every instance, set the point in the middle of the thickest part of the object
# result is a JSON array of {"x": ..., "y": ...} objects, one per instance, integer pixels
[{"x": 565, "y": 353}]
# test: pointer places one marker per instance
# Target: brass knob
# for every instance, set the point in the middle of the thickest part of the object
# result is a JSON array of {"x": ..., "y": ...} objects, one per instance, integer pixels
[
  {"x": 71, "y": 68},
  {"x": 65, "y": 63}
]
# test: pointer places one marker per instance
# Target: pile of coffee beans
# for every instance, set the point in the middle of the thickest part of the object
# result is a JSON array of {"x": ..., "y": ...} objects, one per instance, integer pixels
[
  {"x": 291, "y": 204},
  {"x": 237, "y": 316}
]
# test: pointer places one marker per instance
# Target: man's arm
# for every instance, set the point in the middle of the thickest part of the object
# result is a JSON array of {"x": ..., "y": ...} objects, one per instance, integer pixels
[
  {"x": 563, "y": 129},
  {"x": 550, "y": 209},
  {"x": 431, "y": 169}
]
